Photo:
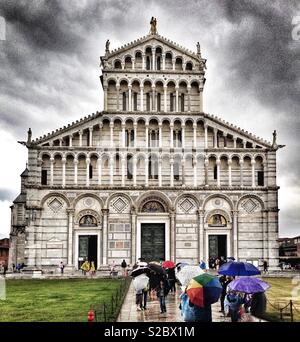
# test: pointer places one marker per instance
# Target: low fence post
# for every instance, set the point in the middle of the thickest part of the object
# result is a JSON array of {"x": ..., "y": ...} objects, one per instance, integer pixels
[{"x": 291, "y": 311}]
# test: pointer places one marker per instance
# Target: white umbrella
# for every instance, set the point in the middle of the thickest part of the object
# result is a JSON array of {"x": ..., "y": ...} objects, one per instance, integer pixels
[
  {"x": 140, "y": 282},
  {"x": 187, "y": 273}
]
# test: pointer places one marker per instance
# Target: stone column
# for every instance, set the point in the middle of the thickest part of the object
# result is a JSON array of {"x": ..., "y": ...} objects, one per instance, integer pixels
[
  {"x": 215, "y": 138},
  {"x": 133, "y": 236},
  {"x": 241, "y": 173},
  {"x": 118, "y": 97},
  {"x": 91, "y": 136},
  {"x": 172, "y": 236},
  {"x": 194, "y": 135},
  {"x": 253, "y": 172},
  {"x": 80, "y": 138},
  {"x": 111, "y": 170},
  {"x": 64, "y": 160},
  {"x": 183, "y": 135},
  {"x": 229, "y": 172},
  {"x": 244, "y": 143},
  {"x": 75, "y": 171},
  {"x": 165, "y": 99},
  {"x": 205, "y": 136},
  {"x": 176, "y": 103},
  {"x": 88, "y": 171},
  {"x": 206, "y": 171},
  {"x": 105, "y": 97},
  {"x": 171, "y": 135},
  {"x": 129, "y": 98},
  {"x": 160, "y": 134},
  {"x": 201, "y": 234},
  {"x": 134, "y": 161},
  {"x": 147, "y": 134},
  {"x": 51, "y": 171},
  {"x": 234, "y": 142},
  {"x": 99, "y": 166},
  {"x": 135, "y": 134},
  {"x": 201, "y": 99},
  {"x": 141, "y": 99},
  {"x": 143, "y": 61},
  {"x": 159, "y": 172},
  {"x": 100, "y": 133},
  {"x": 61, "y": 142},
  {"x": 183, "y": 170},
  {"x": 173, "y": 63},
  {"x": 71, "y": 140},
  {"x": 235, "y": 233},
  {"x": 111, "y": 125},
  {"x": 218, "y": 162},
  {"x": 163, "y": 56},
  {"x": 104, "y": 235},
  {"x": 146, "y": 171},
  {"x": 189, "y": 98},
  {"x": 195, "y": 170},
  {"x": 133, "y": 63},
  {"x": 153, "y": 98},
  {"x": 123, "y": 65},
  {"x": 153, "y": 59},
  {"x": 172, "y": 172},
  {"x": 70, "y": 236},
  {"x": 123, "y": 162},
  {"x": 123, "y": 135}
]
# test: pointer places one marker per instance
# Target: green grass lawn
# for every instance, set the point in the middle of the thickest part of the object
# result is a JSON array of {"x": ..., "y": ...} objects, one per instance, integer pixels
[
  {"x": 280, "y": 294},
  {"x": 54, "y": 300}
]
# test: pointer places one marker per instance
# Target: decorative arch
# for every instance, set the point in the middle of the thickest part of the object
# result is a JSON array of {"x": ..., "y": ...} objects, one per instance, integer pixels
[
  {"x": 55, "y": 194},
  {"x": 154, "y": 196},
  {"x": 78, "y": 198},
  {"x": 88, "y": 218},
  {"x": 225, "y": 197},
  {"x": 187, "y": 203},
  {"x": 249, "y": 196},
  {"x": 118, "y": 194}
]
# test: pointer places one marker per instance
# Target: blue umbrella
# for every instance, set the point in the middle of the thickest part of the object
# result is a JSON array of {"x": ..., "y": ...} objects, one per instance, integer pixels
[
  {"x": 248, "y": 285},
  {"x": 231, "y": 258},
  {"x": 234, "y": 268}
]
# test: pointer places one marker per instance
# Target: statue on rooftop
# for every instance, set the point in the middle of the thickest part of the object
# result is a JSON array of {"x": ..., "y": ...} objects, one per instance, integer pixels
[
  {"x": 153, "y": 23},
  {"x": 107, "y": 46}
]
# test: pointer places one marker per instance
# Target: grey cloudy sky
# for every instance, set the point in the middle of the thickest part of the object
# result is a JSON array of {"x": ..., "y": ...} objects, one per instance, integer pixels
[{"x": 49, "y": 73}]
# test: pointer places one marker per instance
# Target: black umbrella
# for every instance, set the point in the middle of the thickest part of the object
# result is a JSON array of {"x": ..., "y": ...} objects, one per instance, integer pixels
[
  {"x": 139, "y": 270},
  {"x": 157, "y": 269}
]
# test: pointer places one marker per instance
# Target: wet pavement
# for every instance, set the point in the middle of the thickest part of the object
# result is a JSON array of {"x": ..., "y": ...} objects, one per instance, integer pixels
[{"x": 129, "y": 312}]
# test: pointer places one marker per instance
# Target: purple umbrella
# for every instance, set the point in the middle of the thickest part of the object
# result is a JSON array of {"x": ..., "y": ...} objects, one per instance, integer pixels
[
  {"x": 248, "y": 285},
  {"x": 234, "y": 268}
]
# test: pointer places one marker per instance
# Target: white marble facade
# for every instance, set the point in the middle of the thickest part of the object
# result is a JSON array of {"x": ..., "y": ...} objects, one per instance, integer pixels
[{"x": 151, "y": 156}]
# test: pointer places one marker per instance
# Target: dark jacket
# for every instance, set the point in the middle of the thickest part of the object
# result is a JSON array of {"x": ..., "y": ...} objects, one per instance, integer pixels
[{"x": 258, "y": 304}]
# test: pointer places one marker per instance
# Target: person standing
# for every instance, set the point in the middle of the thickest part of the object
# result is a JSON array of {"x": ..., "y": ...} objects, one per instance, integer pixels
[
  {"x": 171, "y": 279},
  {"x": 232, "y": 305},
  {"x": 5, "y": 268},
  {"x": 265, "y": 266},
  {"x": 224, "y": 280},
  {"x": 145, "y": 296},
  {"x": 124, "y": 265},
  {"x": 93, "y": 268},
  {"x": 62, "y": 267},
  {"x": 161, "y": 295}
]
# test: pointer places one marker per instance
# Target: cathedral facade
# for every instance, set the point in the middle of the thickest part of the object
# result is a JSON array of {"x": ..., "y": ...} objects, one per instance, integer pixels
[{"x": 152, "y": 175}]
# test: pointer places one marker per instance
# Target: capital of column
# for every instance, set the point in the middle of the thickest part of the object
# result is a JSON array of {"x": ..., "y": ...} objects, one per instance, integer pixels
[
  {"x": 160, "y": 124},
  {"x": 229, "y": 162},
  {"x": 91, "y": 129},
  {"x": 200, "y": 213},
  {"x": 80, "y": 132},
  {"x": 241, "y": 162},
  {"x": 88, "y": 160},
  {"x": 129, "y": 86},
  {"x": 195, "y": 125},
  {"x": 206, "y": 161},
  {"x": 52, "y": 160},
  {"x": 70, "y": 211},
  {"x": 64, "y": 160},
  {"x": 75, "y": 161},
  {"x": 252, "y": 161},
  {"x": 111, "y": 124},
  {"x": 105, "y": 211},
  {"x": 118, "y": 86},
  {"x": 218, "y": 161}
]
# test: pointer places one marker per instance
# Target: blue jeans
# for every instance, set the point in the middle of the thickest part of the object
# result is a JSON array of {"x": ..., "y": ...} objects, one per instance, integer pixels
[{"x": 162, "y": 302}]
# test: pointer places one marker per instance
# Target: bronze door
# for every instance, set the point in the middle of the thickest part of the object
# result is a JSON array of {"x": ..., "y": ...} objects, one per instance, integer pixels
[{"x": 153, "y": 241}]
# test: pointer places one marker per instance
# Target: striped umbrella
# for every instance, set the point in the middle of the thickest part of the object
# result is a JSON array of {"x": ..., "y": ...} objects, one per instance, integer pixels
[{"x": 204, "y": 290}]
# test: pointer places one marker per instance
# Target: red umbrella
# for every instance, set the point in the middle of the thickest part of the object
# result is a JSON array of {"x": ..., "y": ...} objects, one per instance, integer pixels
[{"x": 168, "y": 264}]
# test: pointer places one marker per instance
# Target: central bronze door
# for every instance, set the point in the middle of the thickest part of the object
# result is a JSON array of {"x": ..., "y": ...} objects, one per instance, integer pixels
[{"x": 153, "y": 241}]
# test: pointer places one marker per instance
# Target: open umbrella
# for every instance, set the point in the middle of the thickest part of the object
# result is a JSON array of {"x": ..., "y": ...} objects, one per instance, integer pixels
[
  {"x": 187, "y": 273},
  {"x": 139, "y": 270},
  {"x": 204, "y": 290},
  {"x": 248, "y": 285},
  {"x": 234, "y": 268},
  {"x": 156, "y": 268},
  {"x": 140, "y": 282},
  {"x": 168, "y": 264},
  {"x": 231, "y": 258}
]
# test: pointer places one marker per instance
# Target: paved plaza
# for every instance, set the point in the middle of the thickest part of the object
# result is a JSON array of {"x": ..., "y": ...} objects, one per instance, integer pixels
[{"x": 129, "y": 313}]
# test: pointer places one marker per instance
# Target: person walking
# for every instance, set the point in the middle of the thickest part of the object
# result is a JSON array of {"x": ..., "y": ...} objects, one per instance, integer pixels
[
  {"x": 194, "y": 313},
  {"x": 62, "y": 267},
  {"x": 162, "y": 292},
  {"x": 124, "y": 265},
  {"x": 139, "y": 300},
  {"x": 5, "y": 268},
  {"x": 145, "y": 296},
  {"x": 232, "y": 305},
  {"x": 112, "y": 269},
  {"x": 224, "y": 280},
  {"x": 171, "y": 279}
]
